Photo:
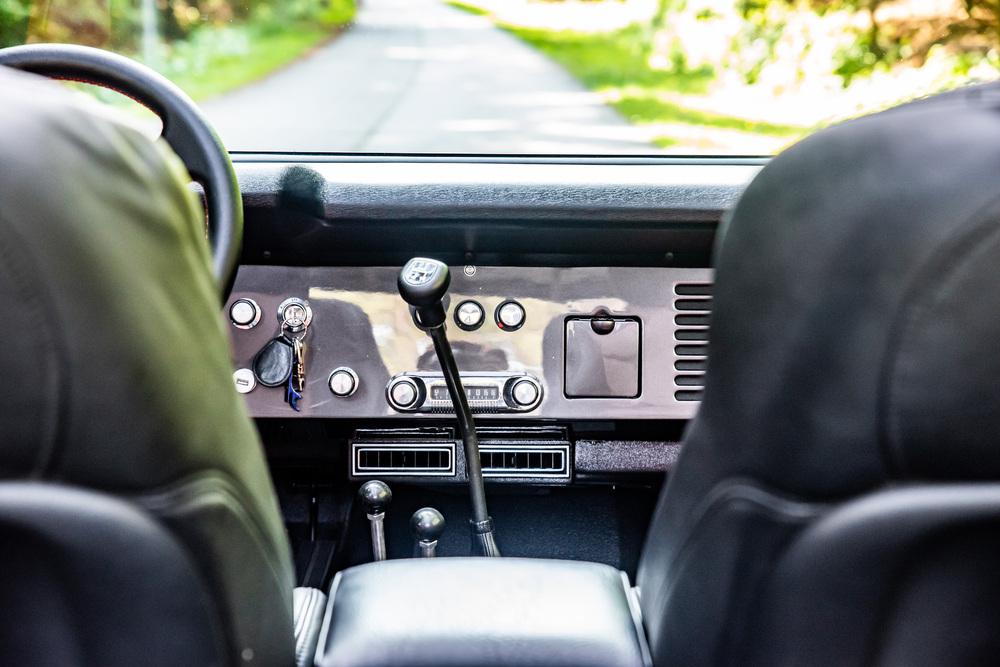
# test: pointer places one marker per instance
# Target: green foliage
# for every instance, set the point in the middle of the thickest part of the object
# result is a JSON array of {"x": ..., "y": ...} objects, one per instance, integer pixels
[
  {"x": 860, "y": 58},
  {"x": 615, "y": 59},
  {"x": 206, "y": 46},
  {"x": 339, "y": 13},
  {"x": 14, "y": 15},
  {"x": 215, "y": 60},
  {"x": 641, "y": 109},
  {"x": 618, "y": 63},
  {"x": 968, "y": 30},
  {"x": 466, "y": 7},
  {"x": 754, "y": 47}
]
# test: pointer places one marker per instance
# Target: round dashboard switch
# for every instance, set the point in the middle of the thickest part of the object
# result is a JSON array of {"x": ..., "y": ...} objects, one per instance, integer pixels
[
  {"x": 469, "y": 315},
  {"x": 403, "y": 393},
  {"x": 525, "y": 393},
  {"x": 244, "y": 313},
  {"x": 510, "y": 315},
  {"x": 244, "y": 380},
  {"x": 343, "y": 382}
]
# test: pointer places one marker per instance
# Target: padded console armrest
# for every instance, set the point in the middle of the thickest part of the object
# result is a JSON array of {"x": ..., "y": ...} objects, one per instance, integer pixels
[{"x": 481, "y": 611}]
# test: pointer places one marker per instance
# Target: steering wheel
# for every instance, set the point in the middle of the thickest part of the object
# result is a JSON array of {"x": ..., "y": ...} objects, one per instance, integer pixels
[{"x": 185, "y": 129}]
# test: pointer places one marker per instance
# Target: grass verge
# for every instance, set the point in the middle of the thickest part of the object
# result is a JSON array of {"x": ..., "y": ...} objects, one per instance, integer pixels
[
  {"x": 217, "y": 59},
  {"x": 235, "y": 57},
  {"x": 617, "y": 65}
]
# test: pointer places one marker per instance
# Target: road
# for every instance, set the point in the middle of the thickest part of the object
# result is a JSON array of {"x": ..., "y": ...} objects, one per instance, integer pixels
[{"x": 420, "y": 76}]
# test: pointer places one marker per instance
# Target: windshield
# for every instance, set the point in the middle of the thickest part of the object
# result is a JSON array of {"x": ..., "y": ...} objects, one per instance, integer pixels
[{"x": 597, "y": 77}]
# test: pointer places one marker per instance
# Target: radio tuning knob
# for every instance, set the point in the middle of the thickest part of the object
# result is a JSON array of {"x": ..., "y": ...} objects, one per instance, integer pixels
[
  {"x": 525, "y": 393},
  {"x": 404, "y": 393}
]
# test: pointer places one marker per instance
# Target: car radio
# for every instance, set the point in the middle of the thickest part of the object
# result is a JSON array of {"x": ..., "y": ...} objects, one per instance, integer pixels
[{"x": 486, "y": 392}]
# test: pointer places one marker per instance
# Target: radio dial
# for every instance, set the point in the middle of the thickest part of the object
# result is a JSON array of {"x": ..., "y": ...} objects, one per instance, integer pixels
[
  {"x": 525, "y": 393},
  {"x": 404, "y": 393},
  {"x": 489, "y": 392}
]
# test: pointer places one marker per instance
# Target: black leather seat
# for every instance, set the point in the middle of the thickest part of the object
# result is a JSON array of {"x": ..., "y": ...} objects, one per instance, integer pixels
[
  {"x": 835, "y": 501},
  {"x": 117, "y": 380}
]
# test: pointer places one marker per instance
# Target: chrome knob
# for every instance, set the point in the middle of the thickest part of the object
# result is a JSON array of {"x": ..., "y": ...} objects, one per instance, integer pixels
[
  {"x": 427, "y": 525},
  {"x": 525, "y": 393},
  {"x": 375, "y": 495},
  {"x": 244, "y": 313},
  {"x": 343, "y": 382},
  {"x": 469, "y": 315},
  {"x": 510, "y": 316},
  {"x": 403, "y": 393}
]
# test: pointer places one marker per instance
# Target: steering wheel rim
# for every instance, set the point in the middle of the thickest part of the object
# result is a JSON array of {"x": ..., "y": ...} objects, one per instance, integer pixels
[{"x": 185, "y": 129}]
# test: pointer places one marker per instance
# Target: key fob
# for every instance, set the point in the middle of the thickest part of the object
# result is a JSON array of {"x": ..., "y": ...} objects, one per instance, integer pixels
[{"x": 273, "y": 364}]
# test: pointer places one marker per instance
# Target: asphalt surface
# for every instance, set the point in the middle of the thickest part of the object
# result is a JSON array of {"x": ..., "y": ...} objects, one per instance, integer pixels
[{"x": 420, "y": 76}]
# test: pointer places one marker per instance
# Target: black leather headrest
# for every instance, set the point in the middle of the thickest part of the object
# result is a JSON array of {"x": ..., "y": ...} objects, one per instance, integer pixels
[{"x": 856, "y": 329}]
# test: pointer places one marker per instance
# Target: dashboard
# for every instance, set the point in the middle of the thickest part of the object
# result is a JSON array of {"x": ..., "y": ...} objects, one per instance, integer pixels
[
  {"x": 551, "y": 343},
  {"x": 579, "y": 311}
]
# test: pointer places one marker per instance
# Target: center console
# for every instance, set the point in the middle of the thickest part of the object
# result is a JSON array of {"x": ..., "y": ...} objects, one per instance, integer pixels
[
  {"x": 490, "y": 612},
  {"x": 545, "y": 353}
]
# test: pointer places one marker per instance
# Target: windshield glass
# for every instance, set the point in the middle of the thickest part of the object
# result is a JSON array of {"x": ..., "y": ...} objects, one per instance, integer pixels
[{"x": 598, "y": 77}]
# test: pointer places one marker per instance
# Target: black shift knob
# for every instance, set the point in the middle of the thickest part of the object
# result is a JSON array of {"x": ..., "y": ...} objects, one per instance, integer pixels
[
  {"x": 427, "y": 524},
  {"x": 375, "y": 495},
  {"x": 423, "y": 284}
]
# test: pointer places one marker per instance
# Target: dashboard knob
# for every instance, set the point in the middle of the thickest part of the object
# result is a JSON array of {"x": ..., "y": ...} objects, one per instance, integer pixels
[
  {"x": 510, "y": 315},
  {"x": 244, "y": 380},
  {"x": 343, "y": 382},
  {"x": 244, "y": 313},
  {"x": 404, "y": 393},
  {"x": 469, "y": 315},
  {"x": 525, "y": 393}
]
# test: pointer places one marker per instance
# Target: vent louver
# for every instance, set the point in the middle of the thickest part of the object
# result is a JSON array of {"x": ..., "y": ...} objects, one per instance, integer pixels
[
  {"x": 403, "y": 459},
  {"x": 692, "y": 312},
  {"x": 524, "y": 460}
]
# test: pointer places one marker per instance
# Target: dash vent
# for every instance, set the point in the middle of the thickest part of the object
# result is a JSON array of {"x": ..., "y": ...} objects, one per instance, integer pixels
[
  {"x": 403, "y": 459},
  {"x": 524, "y": 460},
  {"x": 692, "y": 312}
]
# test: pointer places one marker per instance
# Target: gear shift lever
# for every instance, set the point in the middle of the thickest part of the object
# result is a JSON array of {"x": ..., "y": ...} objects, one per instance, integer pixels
[
  {"x": 376, "y": 496},
  {"x": 427, "y": 525},
  {"x": 423, "y": 284}
]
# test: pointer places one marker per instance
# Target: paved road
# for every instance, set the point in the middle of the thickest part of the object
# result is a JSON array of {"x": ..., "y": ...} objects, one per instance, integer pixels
[{"x": 420, "y": 76}]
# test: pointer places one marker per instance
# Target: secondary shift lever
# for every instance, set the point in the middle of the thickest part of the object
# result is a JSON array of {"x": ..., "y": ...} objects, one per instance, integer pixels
[
  {"x": 427, "y": 525},
  {"x": 423, "y": 284},
  {"x": 376, "y": 496}
]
